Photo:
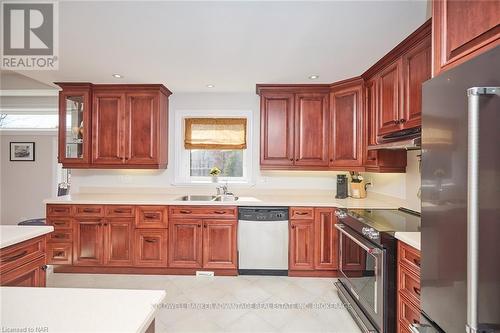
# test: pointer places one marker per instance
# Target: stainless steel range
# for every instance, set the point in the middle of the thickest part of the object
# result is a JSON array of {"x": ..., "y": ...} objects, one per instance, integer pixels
[{"x": 367, "y": 266}]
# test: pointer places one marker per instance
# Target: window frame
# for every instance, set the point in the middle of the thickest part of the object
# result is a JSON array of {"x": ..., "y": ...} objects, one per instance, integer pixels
[{"x": 182, "y": 156}]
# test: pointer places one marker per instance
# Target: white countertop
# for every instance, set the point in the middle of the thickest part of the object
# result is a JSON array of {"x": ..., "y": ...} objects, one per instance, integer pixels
[
  {"x": 78, "y": 309},
  {"x": 308, "y": 199},
  {"x": 13, "y": 234},
  {"x": 410, "y": 238}
]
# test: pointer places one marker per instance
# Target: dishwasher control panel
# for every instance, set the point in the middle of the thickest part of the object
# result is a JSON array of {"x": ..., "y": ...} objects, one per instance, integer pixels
[{"x": 263, "y": 213}]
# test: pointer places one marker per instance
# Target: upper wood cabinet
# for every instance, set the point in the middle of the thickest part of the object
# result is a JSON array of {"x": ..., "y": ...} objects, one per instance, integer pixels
[
  {"x": 311, "y": 129},
  {"x": 394, "y": 86},
  {"x": 463, "y": 30},
  {"x": 113, "y": 126},
  {"x": 346, "y": 125},
  {"x": 277, "y": 129},
  {"x": 297, "y": 126},
  {"x": 74, "y": 125}
]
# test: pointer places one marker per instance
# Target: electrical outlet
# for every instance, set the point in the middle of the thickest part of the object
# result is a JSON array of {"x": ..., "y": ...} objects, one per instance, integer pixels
[{"x": 204, "y": 273}]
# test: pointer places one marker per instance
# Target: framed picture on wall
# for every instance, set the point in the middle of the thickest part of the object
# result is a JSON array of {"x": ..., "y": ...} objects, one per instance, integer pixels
[{"x": 22, "y": 151}]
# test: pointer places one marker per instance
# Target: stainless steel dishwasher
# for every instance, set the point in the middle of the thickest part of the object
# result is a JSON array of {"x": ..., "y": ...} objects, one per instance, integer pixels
[{"x": 263, "y": 240}]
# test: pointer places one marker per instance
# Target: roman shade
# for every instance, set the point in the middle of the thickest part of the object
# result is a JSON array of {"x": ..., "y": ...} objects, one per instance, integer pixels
[{"x": 215, "y": 133}]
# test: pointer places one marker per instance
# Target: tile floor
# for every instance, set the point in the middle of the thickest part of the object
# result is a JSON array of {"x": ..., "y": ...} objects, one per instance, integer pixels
[{"x": 238, "y": 292}]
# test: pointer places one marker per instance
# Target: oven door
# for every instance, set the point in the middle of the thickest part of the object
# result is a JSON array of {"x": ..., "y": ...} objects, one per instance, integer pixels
[{"x": 361, "y": 266}]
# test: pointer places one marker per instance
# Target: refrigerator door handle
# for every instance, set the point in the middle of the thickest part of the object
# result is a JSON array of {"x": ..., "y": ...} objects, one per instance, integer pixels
[{"x": 474, "y": 95}]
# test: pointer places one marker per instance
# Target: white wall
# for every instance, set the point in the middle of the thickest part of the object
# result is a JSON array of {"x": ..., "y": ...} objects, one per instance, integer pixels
[
  {"x": 403, "y": 186},
  {"x": 24, "y": 185}
]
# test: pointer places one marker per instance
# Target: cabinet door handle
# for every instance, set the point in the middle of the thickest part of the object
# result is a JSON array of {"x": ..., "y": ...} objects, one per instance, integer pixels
[
  {"x": 58, "y": 236},
  {"x": 416, "y": 261},
  {"x": 58, "y": 223},
  {"x": 149, "y": 240},
  {"x": 416, "y": 290},
  {"x": 331, "y": 159},
  {"x": 44, "y": 267},
  {"x": 119, "y": 211},
  {"x": 59, "y": 210},
  {"x": 296, "y": 159},
  {"x": 15, "y": 257},
  {"x": 88, "y": 210},
  {"x": 220, "y": 212},
  {"x": 150, "y": 216},
  {"x": 205, "y": 225},
  {"x": 301, "y": 213},
  {"x": 59, "y": 254},
  {"x": 185, "y": 211}
]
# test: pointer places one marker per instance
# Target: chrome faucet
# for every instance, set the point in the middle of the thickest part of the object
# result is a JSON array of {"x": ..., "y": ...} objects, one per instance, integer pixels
[{"x": 222, "y": 190}]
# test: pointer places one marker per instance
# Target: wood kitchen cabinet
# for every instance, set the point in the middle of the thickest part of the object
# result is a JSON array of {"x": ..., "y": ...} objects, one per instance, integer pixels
[
  {"x": 301, "y": 245},
  {"x": 219, "y": 244},
  {"x": 394, "y": 86},
  {"x": 462, "y": 30},
  {"x": 24, "y": 264},
  {"x": 408, "y": 284},
  {"x": 151, "y": 247},
  {"x": 185, "y": 243},
  {"x": 277, "y": 130},
  {"x": 124, "y": 126},
  {"x": 118, "y": 241},
  {"x": 346, "y": 125},
  {"x": 326, "y": 240},
  {"x": 88, "y": 244},
  {"x": 311, "y": 129},
  {"x": 205, "y": 237},
  {"x": 313, "y": 244}
]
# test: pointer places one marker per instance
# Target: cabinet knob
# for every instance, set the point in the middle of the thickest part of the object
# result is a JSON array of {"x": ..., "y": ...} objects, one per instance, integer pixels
[
  {"x": 402, "y": 121},
  {"x": 331, "y": 159},
  {"x": 199, "y": 225},
  {"x": 291, "y": 159},
  {"x": 293, "y": 227},
  {"x": 296, "y": 159},
  {"x": 396, "y": 122},
  {"x": 204, "y": 226}
]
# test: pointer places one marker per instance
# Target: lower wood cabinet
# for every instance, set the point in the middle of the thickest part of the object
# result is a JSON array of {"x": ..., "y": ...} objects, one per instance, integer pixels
[
  {"x": 313, "y": 244},
  {"x": 150, "y": 247},
  {"x": 24, "y": 264},
  {"x": 99, "y": 241},
  {"x": 185, "y": 243},
  {"x": 301, "y": 256},
  {"x": 408, "y": 297},
  {"x": 203, "y": 243}
]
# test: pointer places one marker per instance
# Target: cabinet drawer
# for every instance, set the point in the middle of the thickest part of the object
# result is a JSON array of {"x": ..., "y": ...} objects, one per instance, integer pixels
[
  {"x": 61, "y": 235},
  {"x": 151, "y": 217},
  {"x": 119, "y": 211},
  {"x": 302, "y": 213},
  {"x": 408, "y": 314},
  {"x": 29, "y": 274},
  {"x": 204, "y": 212},
  {"x": 59, "y": 210},
  {"x": 89, "y": 210},
  {"x": 409, "y": 256},
  {"x": 409, "y": 285},
  {"x": 59, "y": 253},
  {"x": 19, "y": 254},
  {"x": 59, "y": 222}
]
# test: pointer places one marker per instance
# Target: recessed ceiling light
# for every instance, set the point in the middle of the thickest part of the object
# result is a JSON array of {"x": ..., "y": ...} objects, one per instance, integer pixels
[
  {"x": 210, "y": 85},
  {"x": 117, "y": 76},
  {"x": 313, "y": 77}
]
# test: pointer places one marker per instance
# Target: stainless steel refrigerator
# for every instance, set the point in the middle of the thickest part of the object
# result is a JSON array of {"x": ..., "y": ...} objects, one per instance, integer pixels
[{"x": 461, "y": 198}]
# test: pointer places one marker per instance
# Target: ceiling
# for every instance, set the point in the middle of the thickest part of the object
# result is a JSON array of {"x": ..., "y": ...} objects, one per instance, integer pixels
[{"x": 232, "y": 45}]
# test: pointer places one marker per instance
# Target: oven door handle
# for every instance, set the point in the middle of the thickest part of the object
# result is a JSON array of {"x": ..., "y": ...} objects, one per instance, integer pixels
[{"x": 358, "y": 240}]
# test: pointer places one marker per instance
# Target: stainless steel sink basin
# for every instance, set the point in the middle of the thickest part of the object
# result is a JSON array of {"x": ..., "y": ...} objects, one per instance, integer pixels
[
  {"x": 208, "y": 198},
  {"x": 198, "y": 198}
]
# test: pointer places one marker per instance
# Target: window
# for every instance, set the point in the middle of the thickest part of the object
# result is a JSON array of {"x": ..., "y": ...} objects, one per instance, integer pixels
[{"x": 204, "y": 141}]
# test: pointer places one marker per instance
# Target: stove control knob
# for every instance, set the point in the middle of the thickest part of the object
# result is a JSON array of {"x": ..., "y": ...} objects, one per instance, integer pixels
[
  {"x": 340, "y": 214},
  {"x": 373, "y": 234},
  {"x": 365, "y": 231}
]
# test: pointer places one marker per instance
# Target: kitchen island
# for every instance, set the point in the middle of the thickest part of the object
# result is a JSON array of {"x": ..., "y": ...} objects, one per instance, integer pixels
[{"x": 79, "y": 309}]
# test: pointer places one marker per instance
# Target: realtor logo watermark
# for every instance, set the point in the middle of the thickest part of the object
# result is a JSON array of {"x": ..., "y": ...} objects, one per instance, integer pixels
[{"x": 30, "y": 35}]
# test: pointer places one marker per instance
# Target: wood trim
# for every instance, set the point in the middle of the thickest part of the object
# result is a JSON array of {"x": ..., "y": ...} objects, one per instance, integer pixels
[
  {"x": 324, "y": 273},
  {"x": 291, "y": 88},
  {"x": 141, "y": 270},
  {"x": 419, "y": 34}
]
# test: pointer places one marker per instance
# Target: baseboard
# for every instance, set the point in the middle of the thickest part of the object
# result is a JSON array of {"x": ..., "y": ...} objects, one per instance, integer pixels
[
  {"x": 140, "y": 270},
  {"x": 326, "y": 273}
]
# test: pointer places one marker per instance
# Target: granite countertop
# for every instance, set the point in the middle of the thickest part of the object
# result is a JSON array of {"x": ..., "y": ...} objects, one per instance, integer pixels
[
  {"x": 79, "y": 309},
  {"x": 410, "y": 238},
  {"x": 267, "y": 199},
  {"x": 13, "y": 234}
]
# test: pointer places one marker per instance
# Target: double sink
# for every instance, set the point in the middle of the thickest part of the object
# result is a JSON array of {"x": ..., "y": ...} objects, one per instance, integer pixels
[{"x": 215, "y": 198}]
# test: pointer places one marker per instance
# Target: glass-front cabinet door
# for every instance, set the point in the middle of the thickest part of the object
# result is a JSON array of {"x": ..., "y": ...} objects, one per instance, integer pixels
[{"x": 74, "y": 124}]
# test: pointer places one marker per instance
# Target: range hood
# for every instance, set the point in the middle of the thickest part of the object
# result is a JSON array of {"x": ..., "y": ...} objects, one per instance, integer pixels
[{"x": 408, "y": 139}]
